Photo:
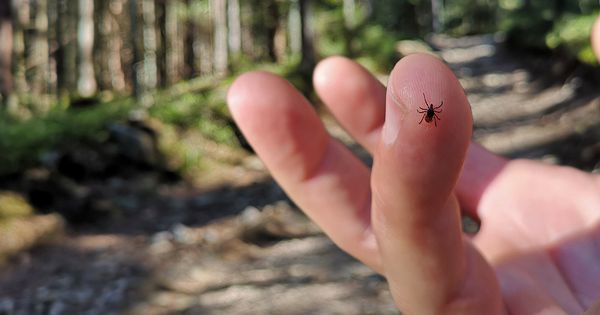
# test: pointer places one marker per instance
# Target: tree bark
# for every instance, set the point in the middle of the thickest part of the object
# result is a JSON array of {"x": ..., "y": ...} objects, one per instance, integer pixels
[
  {"x": 149, "y": 19},
  {"x": 66, "y": 50},
  {"x": 20, "y": 15},
  {"x": 235, "y": 26},
  {"x": 162, "y": 42},
  {"x": 6, "y": 38},
  {"x": 189, "y": 56},
  {"x": 174, "y": 45},
  {"x": 136, "y": 47},
  {"x": 219, "y": 8},
  {"x": 38, "y": 58},
  {"x": 271, "y": 23},
  {"x": 295, "y": 28},
  {"x": 437, "y": 18},
  {"x": 307, "y": 62},
  {"x": 86, "y": 83},
  {"x": 115, "y": 45}
]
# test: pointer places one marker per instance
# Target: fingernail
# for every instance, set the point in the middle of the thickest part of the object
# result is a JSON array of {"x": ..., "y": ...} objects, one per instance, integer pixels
[{"x": 395, "y": 111}]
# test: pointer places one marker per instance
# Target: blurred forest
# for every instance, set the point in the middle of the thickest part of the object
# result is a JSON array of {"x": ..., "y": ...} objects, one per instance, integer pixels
[
  {"x": 121, "y": 166},
  {"x": 168, "y": 58}
]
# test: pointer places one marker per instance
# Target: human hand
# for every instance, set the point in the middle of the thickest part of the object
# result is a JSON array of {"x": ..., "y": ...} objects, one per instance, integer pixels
[{"x": 538, "y": 249}]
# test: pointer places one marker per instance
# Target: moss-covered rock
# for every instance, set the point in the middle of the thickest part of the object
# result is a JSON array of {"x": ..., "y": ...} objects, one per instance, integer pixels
[{"x": 13, "y": 205}]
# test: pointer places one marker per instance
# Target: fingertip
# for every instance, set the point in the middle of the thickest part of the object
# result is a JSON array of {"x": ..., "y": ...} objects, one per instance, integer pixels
[
  {"x": 429, "y": 148},
  {"x": 323, "y": 70},
  {"x": 247, "y": 85}
]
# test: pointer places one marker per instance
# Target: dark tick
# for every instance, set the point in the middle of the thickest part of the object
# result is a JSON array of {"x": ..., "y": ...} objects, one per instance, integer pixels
[{"x": 430, "y": 112}]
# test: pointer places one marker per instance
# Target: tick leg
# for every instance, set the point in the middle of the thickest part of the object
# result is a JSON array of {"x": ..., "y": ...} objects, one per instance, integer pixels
[
  {"x": 422, "y": 108},
  {"x": 421, "y": 119},
  {"x": 425, "y": 98},
  {"x": 440, "y": 105},
  {"x": 436, "y": 116},
  {"x": 438, "y": 110},
  {"x": 421, "y": 111}
]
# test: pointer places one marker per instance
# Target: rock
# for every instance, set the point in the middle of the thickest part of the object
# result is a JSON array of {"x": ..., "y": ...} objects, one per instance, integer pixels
[
  {"x": 184, "y": 235},
  {"x": 14, "y": 205},
  {"x": 161, "y": 242},
  {"x": 19, "y": 234},
  {"x": 135, "y": 144}
]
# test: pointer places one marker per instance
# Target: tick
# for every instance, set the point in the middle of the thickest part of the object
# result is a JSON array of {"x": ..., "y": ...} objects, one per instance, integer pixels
[{"x": 430, "y": 112}]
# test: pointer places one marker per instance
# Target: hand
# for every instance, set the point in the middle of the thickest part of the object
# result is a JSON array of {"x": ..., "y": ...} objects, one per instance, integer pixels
[{"x": 538, "y": 250}]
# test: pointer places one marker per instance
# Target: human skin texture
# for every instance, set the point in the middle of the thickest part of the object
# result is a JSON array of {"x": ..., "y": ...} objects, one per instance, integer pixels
[{"x": 538, "y": 249}]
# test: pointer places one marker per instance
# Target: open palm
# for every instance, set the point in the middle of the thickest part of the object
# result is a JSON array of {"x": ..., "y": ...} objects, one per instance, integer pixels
[{"x": 538, "y": 249}]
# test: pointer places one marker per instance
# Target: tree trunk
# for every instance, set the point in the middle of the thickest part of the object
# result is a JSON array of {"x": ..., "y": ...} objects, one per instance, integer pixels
[
  {"x": 6, "y": 38},
  {"x": 247, "y": 17},
  {"x": 219, "y": 8},
  {"x": 235, "y": 27},
  {"x": 307, "y": 62},
  {"x": 174, "y": 45},
  {"x": 115, "y": 45},
  {"x": 136, "y": 47},
  {"x": 65, "y": 54},
  {"x": 294, "y": 28},
  {"x": 162, "y": 42},
  {"x": 271, "y": 23},
  {"x": 86, "y": 83},
  {"x": 38, "y": 58},
  {"x": 189, "y": 57},
  {"x": 149, "y": 19},
  {"x": 437, "y": 17}
]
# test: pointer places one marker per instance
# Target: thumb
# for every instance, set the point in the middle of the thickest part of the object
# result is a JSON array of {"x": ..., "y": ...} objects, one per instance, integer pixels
[{"x": 416, "y": 218}]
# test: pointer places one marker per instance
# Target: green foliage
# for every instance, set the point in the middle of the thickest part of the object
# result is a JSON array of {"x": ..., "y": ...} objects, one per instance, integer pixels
[
  {"x": 202, "y": 108},
  {"x": 22, "y": 143},
  {"x": 550, "y": 24},
  {"x": 333, "y": 39},
  {"x": 572, "y": 33},
  {"x": 465, "y": 17},
  {"x": 377, "y": 47}
]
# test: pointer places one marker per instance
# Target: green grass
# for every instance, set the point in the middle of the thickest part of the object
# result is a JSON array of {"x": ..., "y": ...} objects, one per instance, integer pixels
[{"x": 23, "y": 142}]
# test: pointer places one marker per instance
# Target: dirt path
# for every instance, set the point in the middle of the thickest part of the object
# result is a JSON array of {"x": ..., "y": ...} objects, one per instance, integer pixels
[
  {"x": 238, "y": 245},
  {"x": 518, "y": 111}
]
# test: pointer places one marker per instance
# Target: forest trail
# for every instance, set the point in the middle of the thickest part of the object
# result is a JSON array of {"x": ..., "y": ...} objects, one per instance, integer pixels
[{"x": 243, "y": 248}]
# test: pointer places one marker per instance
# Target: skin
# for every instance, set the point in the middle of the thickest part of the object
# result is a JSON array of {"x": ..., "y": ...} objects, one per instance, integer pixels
[{"x": 538, "y": 249}]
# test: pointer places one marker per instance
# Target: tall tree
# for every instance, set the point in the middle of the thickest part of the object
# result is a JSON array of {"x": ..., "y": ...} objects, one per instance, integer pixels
[
  {"x": 219, "y": 8},
  {"x": 149, "y": 35},
  {"x": 189, "y": 37},
  {"x": 174, "y": 46},
  {"x": 234, "y": 26},
  {"x": 162, "y": 42},
  {"x": 65, "y": 52},
  {"x": 307, "y": 62},
  {"x": 20, "y": 16},
  {"x": 294, "y": 28},
  {"x": 38, "y": 56},
  {"x": 6, "y": 38},
  {"x": 271, "y": 25},
  {"x": 136, "y": 48},
  {"x": 115, "y": 45},
  {"x": 86, "y": 83}
]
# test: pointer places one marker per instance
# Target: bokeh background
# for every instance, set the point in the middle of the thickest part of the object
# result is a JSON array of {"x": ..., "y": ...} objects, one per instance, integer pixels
[{"x": 126, "y": 188}]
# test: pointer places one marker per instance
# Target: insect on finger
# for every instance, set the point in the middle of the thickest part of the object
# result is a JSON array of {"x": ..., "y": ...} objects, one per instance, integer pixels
[{"x": 430, "y": 112}]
